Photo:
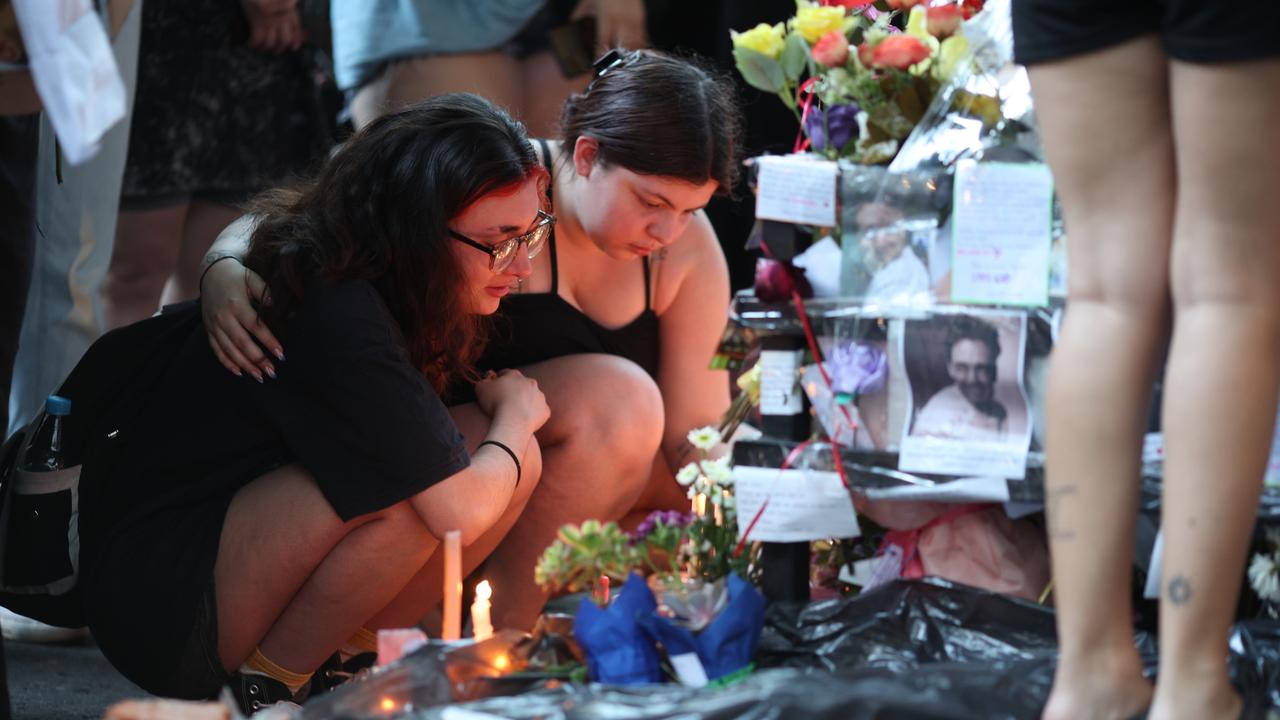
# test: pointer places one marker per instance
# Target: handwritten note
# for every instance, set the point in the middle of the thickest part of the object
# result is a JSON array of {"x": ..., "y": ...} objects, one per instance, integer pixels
[
  {"x": 779, "y": 386},
  {"x": 802, "y": 505},
  {"x": 797, "y": 189},
  {"x": 1001, "y": 223},
  {"x": 946, "y": 456}
]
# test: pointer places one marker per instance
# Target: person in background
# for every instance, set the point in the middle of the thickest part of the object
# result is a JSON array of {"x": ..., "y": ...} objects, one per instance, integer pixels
[
  {"x": 227, "y": 105},
  {"x": 1157, "y": 120},
  {"x": 518, "y": 53},
  {"x": 57, "y": 228}
]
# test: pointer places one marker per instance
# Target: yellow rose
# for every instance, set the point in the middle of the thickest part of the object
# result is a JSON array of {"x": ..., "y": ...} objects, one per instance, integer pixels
[
  {"x": 954, "y": 51},
  {"x": 763, "y": 38},
  {"x": 814, "y": 21}
]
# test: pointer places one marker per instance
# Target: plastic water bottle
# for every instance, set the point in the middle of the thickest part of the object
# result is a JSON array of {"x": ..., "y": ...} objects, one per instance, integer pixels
[{"x": 44, "y": 453}]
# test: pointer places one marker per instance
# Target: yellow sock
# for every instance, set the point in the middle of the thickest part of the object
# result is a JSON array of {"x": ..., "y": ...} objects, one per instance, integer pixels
[
  {"x": 363, "y": 641},
  {"x": 260, "y": 664}
]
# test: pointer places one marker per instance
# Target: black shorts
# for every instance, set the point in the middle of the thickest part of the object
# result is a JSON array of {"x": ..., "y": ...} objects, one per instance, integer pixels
[{"x": 1197, "y": 31}]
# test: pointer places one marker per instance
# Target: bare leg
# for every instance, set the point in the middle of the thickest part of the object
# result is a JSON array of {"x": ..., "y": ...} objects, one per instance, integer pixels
[
  {"x": 424, "y": 591},
  {"x": 1105, "y": 123},
  {"x": 295, "y": 580},
  {"x": 1222, "y": 381},
  {"x": 145, "y": 254},
  {"x": 493, "y": 75},
  {"x": 545, "y": 90},
  {"x": 203, "y": 223},
  {"x": 597, "y": 448}
]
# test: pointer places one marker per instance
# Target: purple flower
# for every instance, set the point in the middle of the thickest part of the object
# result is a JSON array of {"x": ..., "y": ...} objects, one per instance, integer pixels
[
  {"x": 858, "y": 369},
  {"x": 838, "y": 123},
  {"x": 669, "y": 518}
]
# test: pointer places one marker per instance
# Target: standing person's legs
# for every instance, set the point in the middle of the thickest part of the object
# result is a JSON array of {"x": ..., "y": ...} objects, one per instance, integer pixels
[
  {"x": 545, "y": 88},
  {"x": 77, "y": 222},
  {"x": 146, "y": 251},
  {"x": 204, "y": 221},
  {"x": 18, "y": 142},
  {"x": 493, "y": 75},
  {"x": 1105, "y": 123},
  {"x": 1223, "y": 376}
]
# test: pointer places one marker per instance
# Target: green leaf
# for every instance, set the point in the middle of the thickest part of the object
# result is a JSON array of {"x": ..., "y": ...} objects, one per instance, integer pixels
[
  {"x": 795, "y": 57},
  {"x": 760, "y": 71}
]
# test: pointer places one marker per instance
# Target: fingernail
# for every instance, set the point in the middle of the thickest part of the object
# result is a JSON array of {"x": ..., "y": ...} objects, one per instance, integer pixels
[
  {"x": 237, "y": 372},
  {"x": 270, "y": 371},
  {"x": 257, "y": 376},
  {"x": 279, "y": 353}
]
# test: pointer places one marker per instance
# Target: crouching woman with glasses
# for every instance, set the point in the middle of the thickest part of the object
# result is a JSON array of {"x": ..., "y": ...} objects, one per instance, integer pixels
[{"x": 258, "y": 529}]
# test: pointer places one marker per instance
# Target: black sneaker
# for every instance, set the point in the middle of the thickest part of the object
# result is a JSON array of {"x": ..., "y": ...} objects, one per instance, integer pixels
[
  {"x": 334, "y": 672},
  {"x": 255, "y": 692}
]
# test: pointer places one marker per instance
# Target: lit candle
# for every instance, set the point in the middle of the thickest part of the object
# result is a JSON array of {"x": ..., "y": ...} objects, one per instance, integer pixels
[
  {"x": 452, "y": 629},
  {"x": 700, "y": 504},
  {"x": 482, "y": 629}
]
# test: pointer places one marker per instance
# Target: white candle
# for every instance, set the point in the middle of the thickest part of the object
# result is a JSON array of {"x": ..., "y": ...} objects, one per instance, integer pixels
[
  {"x": 481, "y": 627},
  {"x": 452, "y": 629}
]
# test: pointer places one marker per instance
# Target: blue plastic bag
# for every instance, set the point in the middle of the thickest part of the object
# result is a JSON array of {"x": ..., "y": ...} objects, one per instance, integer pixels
[
  {"x": 728, "y": 643},
  {"x": 618, "y": 651}
]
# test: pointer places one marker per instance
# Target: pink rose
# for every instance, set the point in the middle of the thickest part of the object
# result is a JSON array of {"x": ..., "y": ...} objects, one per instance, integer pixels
[
  {"x": 944, "y": 18},
  {"x": 832, "y": 49},
  {"x": 899, "y": 52}
]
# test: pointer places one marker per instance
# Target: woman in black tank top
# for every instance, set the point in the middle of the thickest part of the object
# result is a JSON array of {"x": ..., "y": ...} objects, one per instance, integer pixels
[{"x": 623, "y": 310}]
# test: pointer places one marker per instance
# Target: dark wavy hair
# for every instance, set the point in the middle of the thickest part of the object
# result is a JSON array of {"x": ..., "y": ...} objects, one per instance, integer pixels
[
  {"x": 656, "y": 114},
  {"x": 379, "y": 211},
  {"x": 967, "y": 327}
]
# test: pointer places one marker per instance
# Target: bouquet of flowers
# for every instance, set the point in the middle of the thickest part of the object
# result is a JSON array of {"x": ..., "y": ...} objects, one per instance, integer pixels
[
  {"x": 670, "y": 545},
  {"x": 857, "y": 83},
  {"x": 697, "y": 600}
]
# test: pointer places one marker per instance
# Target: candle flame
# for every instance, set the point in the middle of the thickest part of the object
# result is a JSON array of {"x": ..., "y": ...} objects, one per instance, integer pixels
[
  {"x": 501, "y": 662},
  {"x": 483, "y": 590},
  {"x": 387, "y": 704}
]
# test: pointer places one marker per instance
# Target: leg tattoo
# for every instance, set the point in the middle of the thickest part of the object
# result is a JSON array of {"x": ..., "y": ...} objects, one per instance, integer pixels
[{"x": 1179, "y": 590}]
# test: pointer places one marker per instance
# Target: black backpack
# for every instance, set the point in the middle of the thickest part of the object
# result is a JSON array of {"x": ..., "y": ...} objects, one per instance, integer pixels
[{"x": 39, "y": 512}]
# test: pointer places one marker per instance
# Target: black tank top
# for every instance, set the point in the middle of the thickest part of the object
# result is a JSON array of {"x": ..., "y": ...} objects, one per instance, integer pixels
[{"x": 533, "y": 327}]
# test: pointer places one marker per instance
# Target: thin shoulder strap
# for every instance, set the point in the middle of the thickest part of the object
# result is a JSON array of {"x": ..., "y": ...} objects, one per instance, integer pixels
[
  {"x": 646, "y": 283},
  {"x": 551, "y": 200}
]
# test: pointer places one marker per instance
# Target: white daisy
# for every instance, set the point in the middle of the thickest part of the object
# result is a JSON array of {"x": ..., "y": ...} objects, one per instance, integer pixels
[
  {"x": 1264, "y": 576},
  {"x": 718, "y": 471},
  {"x": 704, "y": 438},
  {"x": 688, "y": 474}
]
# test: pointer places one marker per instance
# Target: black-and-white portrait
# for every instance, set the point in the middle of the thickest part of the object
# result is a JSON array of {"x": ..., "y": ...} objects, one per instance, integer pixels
[{"x": 968, "y": 405}]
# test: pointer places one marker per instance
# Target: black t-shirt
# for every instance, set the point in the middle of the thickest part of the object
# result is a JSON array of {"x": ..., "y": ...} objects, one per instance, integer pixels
[{"x": 347, "y": 405}]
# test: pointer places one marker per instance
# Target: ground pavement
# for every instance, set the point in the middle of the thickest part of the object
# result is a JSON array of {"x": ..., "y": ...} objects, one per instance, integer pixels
[{"x": 63, "y": 682}]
